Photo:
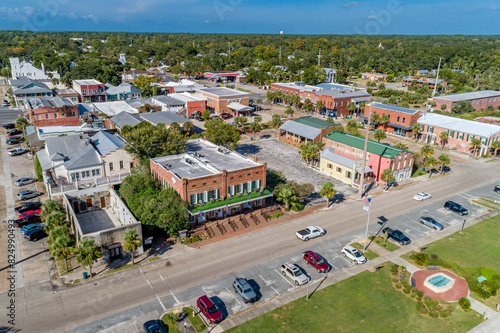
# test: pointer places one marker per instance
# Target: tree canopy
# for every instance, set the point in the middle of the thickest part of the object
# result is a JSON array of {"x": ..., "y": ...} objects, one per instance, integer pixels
[{"x": 221, "y": 133}]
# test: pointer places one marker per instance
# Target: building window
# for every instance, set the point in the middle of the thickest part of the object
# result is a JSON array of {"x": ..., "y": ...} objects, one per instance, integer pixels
[
  {"x": 194, "y": 198},
  {"x": 46, "y": 116},
  {"x": 348, "y": 174},
  {"x": 85, "y": 174},
  {"x": 339, "y": 170},
  {"x": 121, "y": 165},
  {"x": 249, "y": 186},
  {"x": 55, "y": 115},
  {"x": 398, "y": 119},
  {"x": 240, "y": 188},
  {"x": 404, "y": 120},
  {"x": 131, "y": 165},
  {"x": 329, "y": 166},
  {"x": 110, "y": 166}
]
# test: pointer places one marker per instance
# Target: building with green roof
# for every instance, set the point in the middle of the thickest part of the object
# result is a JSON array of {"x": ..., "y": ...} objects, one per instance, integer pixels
[
  {"x": 314, "y": 122},
  {"x": 380, "y": 156}
]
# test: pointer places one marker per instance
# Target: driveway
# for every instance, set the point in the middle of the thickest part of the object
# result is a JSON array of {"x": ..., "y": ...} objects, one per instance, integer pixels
[{"x": 280, "y": 156}]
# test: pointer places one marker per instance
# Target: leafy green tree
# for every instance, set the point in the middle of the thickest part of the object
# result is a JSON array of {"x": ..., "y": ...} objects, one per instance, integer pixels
[
  {"x": 381, "y": 86},
  {"x": 286, "y": 194},
  {"x": 444, "y": 138},
  {"x": 289, "y": 111},
  {"x": 328, "y": 192},
  {"x": 443, "y": 107},
  {"x": 417, "y": 130},
  {"x": 380, "y": 135},
  {"x": 475, "y": 144},
  {"x": 188, "y": 127},
  {"x": 387, "y": 176},
  {"x": 144, "y": 82},
  {"x": 352, "y": 127},
  {"x": 303, "y": 190},
  {"x": 425, "y": 152},
  {"x": 174, "y": 126},
  {"x": 21, "y": 123},
  {"x": 38, "y": 169},
  {"x": 206, "y": 114},
  {"x": 131, "y": 242},
  {"x": 274, "y": 178},
  {"x": 444, "y": 159},
  {"x": 221, "y": 133},
  {"x": 401, "y": 145},
  {"x": 87, "y": 253},
  {"x": 495, "y": 145},
  {"x": 147, "y": 141},
  {"x": 463, "y": 107},
  {"x": 240, "y": 120}
]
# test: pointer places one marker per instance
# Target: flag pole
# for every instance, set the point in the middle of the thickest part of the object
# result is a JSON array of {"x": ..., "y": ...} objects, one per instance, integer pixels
[{"x": 367, "y": 224}]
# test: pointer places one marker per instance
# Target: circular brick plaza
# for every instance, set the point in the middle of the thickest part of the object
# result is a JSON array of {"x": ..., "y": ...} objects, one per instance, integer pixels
[{"x": 451, "y": 292}]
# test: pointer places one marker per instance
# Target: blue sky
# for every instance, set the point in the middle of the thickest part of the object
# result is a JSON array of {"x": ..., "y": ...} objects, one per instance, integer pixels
[{"x": 256, "y": 16}]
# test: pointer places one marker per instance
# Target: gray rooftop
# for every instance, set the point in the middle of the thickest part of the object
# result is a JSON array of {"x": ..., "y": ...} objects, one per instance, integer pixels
[
  {"x": 343, "y": 93},
  {"x": 168, "y": 101},
  {"x": 460, "y": 125},
  {"x": 330, "y": 154},
  {"x": 124, "y": 88},
  {"x": 300, "y": 129},
  {"x": 32, "y": 87},
  {"x": 165, "y": 117},
  {"x": 124, "y": 118},
  {"x": 51, "y": 102},
  {"x": 90, "y": 82},
  {"x": 82, "y": 158},
  {"x": 106, "y": 143},
  {"x": 64, "y": 145},
  {"x": 203, "y": 158},
  {"x": 65, "y": 92},
  {"x": 394, "y": 108},
  {"x": 223, "y": 92},
  {"x": 470, "y": 95}
]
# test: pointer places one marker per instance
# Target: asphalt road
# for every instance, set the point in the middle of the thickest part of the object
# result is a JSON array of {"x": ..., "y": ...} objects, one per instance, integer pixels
[
  {"x": 8, "y": 115},
  {"x": 187, "y": 273}
]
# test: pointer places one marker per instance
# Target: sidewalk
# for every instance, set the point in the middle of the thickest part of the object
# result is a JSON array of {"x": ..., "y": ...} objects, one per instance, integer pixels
[{"x": 487, "y": 327}]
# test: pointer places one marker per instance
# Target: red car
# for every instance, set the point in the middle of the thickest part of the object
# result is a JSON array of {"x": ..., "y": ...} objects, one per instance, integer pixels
[
  {"x": 225, "y": 115},
  {"x": 316, "y": 261},
  {"x": 209, "y": 309},
  {"x": 30, "y": 213}
]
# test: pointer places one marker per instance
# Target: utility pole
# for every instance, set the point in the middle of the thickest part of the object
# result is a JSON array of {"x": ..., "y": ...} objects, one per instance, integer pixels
[
  {"x": 319, "y": 58},
  {"x": 437, "y": 78},
  {"x": 363, "y": 165},
  {"x": 280, "y": 55}
]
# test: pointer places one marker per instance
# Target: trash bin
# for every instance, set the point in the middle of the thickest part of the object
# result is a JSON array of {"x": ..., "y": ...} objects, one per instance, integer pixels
[
  {"x": 85, "y": 275},
  {"x": 251, "y": 138}
]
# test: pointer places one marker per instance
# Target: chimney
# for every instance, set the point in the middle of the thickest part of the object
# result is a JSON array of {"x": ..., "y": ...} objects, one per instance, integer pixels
[{"x": 43, "y": 68}]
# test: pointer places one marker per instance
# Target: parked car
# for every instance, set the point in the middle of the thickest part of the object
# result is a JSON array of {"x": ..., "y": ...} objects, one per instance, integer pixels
[
  {"x": 5, "y": 103},
  {"x": 310, "y": 232},
  {"x": 9, "y": 126},
  {"x": 14, "y": 139},
  {"x": 28, "y": 206},
  {"x": 294, "y": 273},
  {"x": 316, "y": 261},
  {"x": 25, "y": 181},
  {"x": 353, "y": 254},
  {"x": 497, "y": 189},
  {"x": 200, "y": 119},
  {"x": 17, "y": 151},
  {"x": 430, "y": 222},
  {"x": 209, "y": 309},
  {"x": 154, "y": 326},
  {"x": 35, "y": 235},
  {"x": 29, "y": 219},
  {"x": 30, "y": 212},
  {"x": 453, "y": 206},
  {"x": 245, "y": 290},
  {"x": 15, "y": 131},
  {"x": 30, "y": 227},
  {"x": 225, "y": 115},
  {"x": 397, "y": 235},
  {"x": 23, "y": 195},
  {"x": 422, "y": 196}
]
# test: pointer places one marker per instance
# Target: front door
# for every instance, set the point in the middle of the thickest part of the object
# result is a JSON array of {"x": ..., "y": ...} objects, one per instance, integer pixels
[
  {"x": 89, "y": 202},
  {"x": 115, "y": 251},
  {"x": 103, "y": 202},
  {"x": 76, "y": 207}
]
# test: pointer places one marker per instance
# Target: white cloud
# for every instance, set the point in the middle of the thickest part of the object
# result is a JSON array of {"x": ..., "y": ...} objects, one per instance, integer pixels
[
  {"x": 351, "y": 4},
  {"x": 372, "y": 17},
  {"x": 28, "y": 10}
]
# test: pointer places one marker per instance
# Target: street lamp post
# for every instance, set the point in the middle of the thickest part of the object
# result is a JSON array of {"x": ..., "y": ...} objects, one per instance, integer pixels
[
  {"x": 307, "y": 297},
  {"x": 362, "y": 179},
  {"x": 185, "y": 326},
  {"x": 463, "y": 225}
]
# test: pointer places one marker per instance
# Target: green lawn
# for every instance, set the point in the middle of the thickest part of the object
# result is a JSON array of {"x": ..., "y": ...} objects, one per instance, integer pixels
[
  {"x": 196, "y": 321},
  {"x": 234, "y": 199},
  {"x": 366, "y": 302},
  {"x": 385, "y": 244},
  {"x": 171, "y": 326},
  {"x": 369, "y": 254}
]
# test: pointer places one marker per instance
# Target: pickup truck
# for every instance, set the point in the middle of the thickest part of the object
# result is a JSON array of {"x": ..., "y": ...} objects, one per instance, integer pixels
[
  {"x": 397, "y": 235},
  {"x": 28, "y": 206},
  {"x": 310, "y": 232}
]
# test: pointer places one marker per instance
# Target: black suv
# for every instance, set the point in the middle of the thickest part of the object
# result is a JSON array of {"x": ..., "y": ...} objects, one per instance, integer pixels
[
  {"x": 397, "y": 235},
  {"x": 453, "y": 206}
]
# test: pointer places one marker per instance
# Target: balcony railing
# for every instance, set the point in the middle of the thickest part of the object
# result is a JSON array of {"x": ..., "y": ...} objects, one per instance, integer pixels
[{"x": 114, "y": 179}]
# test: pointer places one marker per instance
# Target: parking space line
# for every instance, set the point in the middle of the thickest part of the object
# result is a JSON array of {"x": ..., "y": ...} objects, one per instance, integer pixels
[
  {"x": 284, "y": 278},
  {"x": 275, "y": 290},
  {"x": 156, "y": 294},
  {"x": 233, "y": 296}
]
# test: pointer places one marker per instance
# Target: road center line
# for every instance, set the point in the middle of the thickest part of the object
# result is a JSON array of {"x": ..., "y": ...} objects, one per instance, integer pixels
[
  {"x": 156, "y": 294},
  {"x": 284, "y": 278}
]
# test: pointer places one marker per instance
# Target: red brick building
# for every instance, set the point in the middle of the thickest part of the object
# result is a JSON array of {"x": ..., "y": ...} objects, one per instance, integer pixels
[
  {"x": 214, "y": 181},
  {"x": 380, "y": 156},
  {"x": 221, "y": 100},
  {"x": 90, "y": 91},
  {"x": 401, "y": 120},
  {"x": 374, "y": 76},
  {"x": 52, "y": 111},
  {"x": 421, "y": 81},
  {"x": 478, "y": 99}
]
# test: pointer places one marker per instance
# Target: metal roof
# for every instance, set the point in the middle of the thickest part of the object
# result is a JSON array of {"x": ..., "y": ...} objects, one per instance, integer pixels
[
  {"x": 239, "y": 107},
  {"x": 108, "y": 108},
  {"x": 106, "y": 143},
  {"x": 83, "y": 158},
  {"x": 330, "y": 154},
  {"x": 169, "y": 101},
  {"x": 394, "y": 108},
  {"x": 124, "y": 88},
  {"x": 314, "y": 122},
  {"x": 165, "y": 117},
  {"x": 343, "y": 93},
  {"x": 470, "y": 95},
  {"x": 223, "y": 92},
  {"x": 459, "y": 125},
  {"x": 90, "y": 82},
  {"x": 125, "y": 118},
  {"x": 376, "y": 148},
  {"x": 303, "y": 130}
]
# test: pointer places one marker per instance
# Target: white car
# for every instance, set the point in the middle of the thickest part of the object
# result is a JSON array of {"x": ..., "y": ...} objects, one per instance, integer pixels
[
  {"x": 349, "y": 252},
  {"x": 422, "y": 196},
  {"x": 294, "y": 273},
  {"x": 310, "y": 232}
]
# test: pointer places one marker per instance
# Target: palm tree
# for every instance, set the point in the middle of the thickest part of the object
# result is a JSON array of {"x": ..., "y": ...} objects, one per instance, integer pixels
[
  {"x": 496, "y": 146},
  {"x": 63, "y": 248},
  {"x": 308, "y": 105},
  {"x": 174, "y": 126},
  {"x": 131, "y": 242},
  {"x": 375, "y": 119},
  {"x": 56, "y": 232},
  {"x": 431, "y": 162},
  {"x": 276, "y": 122},
  {"x": 21, "y": 123},
  {"x": 54, "y": 219},
  {"x": 444, "y": 138},
  {"x": 87, "y": 253},
  {"x": 50, "y": 206},
  {"x": 445, "y": 160},
  {"x": 254, "y": 127},
  {"x": 475, "y": 144},
  {"x": 188, "y": 126},
  {"x": 287, "y": 195},
  {"x": 351, "y": 107},
  {"x": 417, "y": 129},
  {"x": 289, "y": 111},
  {"x": 426, "y": 151},
  {"x": 384, "y": 120},
  {"x": 328, "y": 192},
  {"x": 443, "y": 107},
  {"x": 352, "y": 127},
  {"x": 387, "y": 176},
  {"x": 380, "y": 135},
  {"x": 320, "y": 105},
  {"x": 257, "y": 119},
  {"x": 240, "y": 120}
]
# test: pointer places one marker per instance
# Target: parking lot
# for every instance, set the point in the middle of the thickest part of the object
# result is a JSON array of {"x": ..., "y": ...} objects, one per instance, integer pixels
[{"x": 280, "y": 156}]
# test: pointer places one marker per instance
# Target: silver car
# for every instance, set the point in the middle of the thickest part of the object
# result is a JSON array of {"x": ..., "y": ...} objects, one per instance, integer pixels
[
  {"x": 23, "y": 195},
  {"x": 245, "y": 290},
  {"x": 294, "y": 273},
  {"x": 25, "y": 181},
  {"x": 17, "y": 151},
  {"x": 430, "y": 222},
  {"x": 350, "y": 252}
]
